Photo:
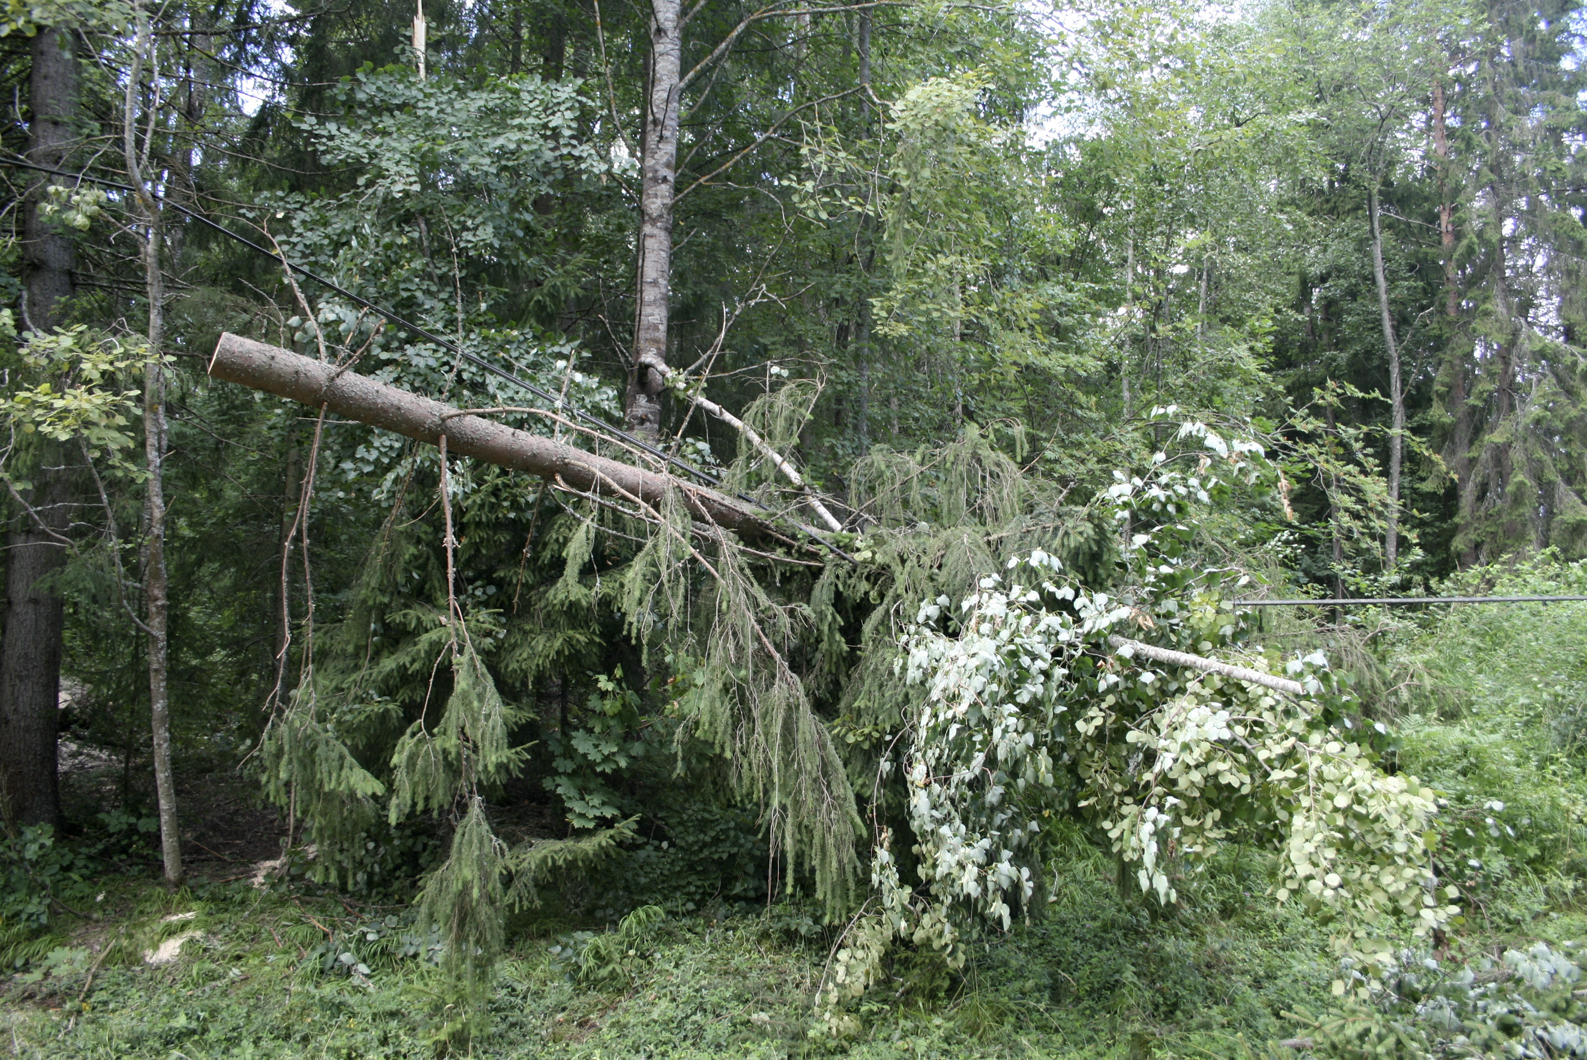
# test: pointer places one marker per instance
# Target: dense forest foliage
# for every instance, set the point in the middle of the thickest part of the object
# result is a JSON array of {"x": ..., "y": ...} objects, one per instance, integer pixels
[{"x": 623, "y": 485}]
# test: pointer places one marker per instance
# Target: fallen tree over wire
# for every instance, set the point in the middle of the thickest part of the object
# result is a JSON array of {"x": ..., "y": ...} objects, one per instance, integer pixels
[
  {"x": 1017, "y": 702},
  {"x": 747, "y": 701},
  {"x": 274, "y": 370}
]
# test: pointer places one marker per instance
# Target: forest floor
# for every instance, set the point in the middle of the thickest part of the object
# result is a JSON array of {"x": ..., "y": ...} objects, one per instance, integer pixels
[
  {"x": 290, "y": 968},
  {"x": 227, "y": 969},
  {"x": 260, "y": 973}
]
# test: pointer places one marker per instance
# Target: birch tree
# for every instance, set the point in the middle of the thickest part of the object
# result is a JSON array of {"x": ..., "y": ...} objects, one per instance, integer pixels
[{"x": 141, "y": 117}]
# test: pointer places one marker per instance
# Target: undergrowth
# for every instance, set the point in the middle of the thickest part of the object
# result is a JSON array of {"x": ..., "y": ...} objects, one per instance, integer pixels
[
  {"x": 1485, "y": 706},
  {"x": 279, "y": 974}
]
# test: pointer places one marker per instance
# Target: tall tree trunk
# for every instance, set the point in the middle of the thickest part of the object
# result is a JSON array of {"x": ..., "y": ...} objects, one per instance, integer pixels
[
  {"x": 47, "y": 254},
  {"x": 1129, "y": 334},
  {"x": 863, "y": 343},
  {"x": 30, "y": 657},
  {"x": 863, "y": 47},
  {"x": 155, "y": 578},
  {"x": 1201, "y": 299},
  {"x": 862, "y": 350},
  {"x": 156, "y": 583},
  {"x": 1391, "y": 545},
  {"x": 30, "y": 660},
  {"x": 1504, "y": 351},
  {"x": 192, "y": 100},
  {"x": 420, "y": 28},
  {"x": 1459, "y": 452},
  {"x": 659, "y": 162}
]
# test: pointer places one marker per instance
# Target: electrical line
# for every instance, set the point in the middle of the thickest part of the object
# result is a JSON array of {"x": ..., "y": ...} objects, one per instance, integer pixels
[
  {"x": 1384, "y": 601},
  {"x": 595, "y": 421}
]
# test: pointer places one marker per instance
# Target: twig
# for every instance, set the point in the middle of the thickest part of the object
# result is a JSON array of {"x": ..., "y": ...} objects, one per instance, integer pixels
[
  {"x": 104, "y": 951},
  {"x": 217, "y": 853}
]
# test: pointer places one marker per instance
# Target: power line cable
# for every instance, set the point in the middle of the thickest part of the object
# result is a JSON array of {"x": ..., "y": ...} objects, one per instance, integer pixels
[
  {"x": 595, "y": 421},
  {"x": 1390, "y": 601}
]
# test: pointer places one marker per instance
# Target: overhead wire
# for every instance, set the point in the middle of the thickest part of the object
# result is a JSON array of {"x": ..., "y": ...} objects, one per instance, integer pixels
[
  {"x": 1391, "y": 601},
  {"x": 594, "y": 421}
]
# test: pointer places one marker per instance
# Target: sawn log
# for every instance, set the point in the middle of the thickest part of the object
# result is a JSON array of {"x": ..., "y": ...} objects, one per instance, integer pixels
[{"x": 357, "y": 397}]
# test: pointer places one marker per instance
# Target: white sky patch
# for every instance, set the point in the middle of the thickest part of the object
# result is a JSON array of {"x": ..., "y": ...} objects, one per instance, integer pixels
[{"x": 254, "y": 92}]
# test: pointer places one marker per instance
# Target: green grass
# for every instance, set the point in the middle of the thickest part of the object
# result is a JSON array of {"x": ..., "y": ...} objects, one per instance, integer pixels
[{"x": 1096, "y": 977}]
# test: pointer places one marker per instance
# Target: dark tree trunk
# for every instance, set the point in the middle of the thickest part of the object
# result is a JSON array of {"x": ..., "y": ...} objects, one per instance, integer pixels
[
  {"x": 30, "y": 661},
  {"x": 30, "y": 658},
  {"x": 46, "y": 252}
]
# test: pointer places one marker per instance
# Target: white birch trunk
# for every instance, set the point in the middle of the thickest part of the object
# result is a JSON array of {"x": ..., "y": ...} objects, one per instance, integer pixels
[
  {"x": 1391, "y": 544},
  {"x": 154, "y": 446},
  {"x": 659, "y": 165}
]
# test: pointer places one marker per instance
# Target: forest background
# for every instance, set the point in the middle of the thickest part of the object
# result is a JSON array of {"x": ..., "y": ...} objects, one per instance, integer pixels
[{"x": 897, "y": 384}]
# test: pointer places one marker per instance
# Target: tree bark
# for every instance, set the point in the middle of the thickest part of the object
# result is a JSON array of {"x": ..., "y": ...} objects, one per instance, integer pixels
[
  {"x": 862, "y": 352},
  {"x": 659, "y": 162},
  {"x": 48, "y": 258},
  {"x": 1391, "y": 545},
  {"x": 1211, "y": 666},
  {"x": 156, "y": 593},
  {"x": 1129, "y": 327},
  {"x": 1201, "y": 299},
  {"x": 30, "y": 657},
  {"x": 286, "y": 374},
  {"x": 291, "y": 498},
  {"x": 156, "y": 582},
  {"x": 1459, "y": 452},
  {"x": 30, "y": 660},
  {"x": 420, "y": 27}
]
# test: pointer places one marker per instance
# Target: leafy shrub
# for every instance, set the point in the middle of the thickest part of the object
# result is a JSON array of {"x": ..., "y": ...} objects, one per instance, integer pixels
[
  {"x": 373, "y": 943},
  {"x": 608, "y": 960},
  {"x": 37, "y": 873},
  {"x": 1525, "y": 1004}
]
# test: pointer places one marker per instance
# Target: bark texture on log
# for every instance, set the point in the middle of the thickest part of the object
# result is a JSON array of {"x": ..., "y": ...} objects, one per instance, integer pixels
[{"x": 356, "y": 397}]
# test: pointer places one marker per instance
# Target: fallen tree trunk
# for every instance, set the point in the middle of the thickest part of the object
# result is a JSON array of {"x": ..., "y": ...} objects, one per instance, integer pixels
[{"x": 357, "y": 397}]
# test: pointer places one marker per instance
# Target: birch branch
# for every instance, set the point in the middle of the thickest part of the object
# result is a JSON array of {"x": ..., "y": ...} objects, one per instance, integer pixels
[{"x": 1211, "y": 666}]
